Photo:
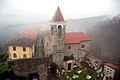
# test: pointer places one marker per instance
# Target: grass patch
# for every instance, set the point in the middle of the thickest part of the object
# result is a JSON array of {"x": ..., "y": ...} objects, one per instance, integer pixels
[
  {"x": 3, "y": 68},
  {"x": 72, "y": 72},
  {"x": 86, "y": 70}
]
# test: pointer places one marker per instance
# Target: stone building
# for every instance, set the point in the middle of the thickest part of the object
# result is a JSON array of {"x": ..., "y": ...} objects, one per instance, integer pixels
[
  {"x": 76, "y": 44},
  {"x": 58, "y": 43}
]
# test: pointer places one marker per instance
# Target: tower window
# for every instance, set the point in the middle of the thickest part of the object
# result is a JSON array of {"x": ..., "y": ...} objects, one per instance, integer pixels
[
  {"x": 15, "y": 55},
  {"x": 69, "y": 47},
  {"x": 14, "y": 48},
  {"x": 24, "y": 48},
  {"x": 24, "y": 56},
  {"x": 49, "y": 49},
  {"x": 82, "y": 46},
  {"x": 47, "y": 44},
  {"x": 51, "y": 30},
  {"x": 59, "y": 30}
]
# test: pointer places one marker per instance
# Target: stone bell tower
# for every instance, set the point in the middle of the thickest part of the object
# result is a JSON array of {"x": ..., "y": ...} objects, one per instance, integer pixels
[{"x": 58, "y": 30}]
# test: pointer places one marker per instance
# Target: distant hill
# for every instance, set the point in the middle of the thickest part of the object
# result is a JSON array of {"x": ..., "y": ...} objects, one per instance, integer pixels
[
  {"x": 8, "y": 32},
  {"x": 83, "y": 24}
]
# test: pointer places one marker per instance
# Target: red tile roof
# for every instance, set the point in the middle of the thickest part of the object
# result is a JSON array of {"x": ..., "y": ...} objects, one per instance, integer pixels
[
  {"x": 112, "y": 65},
  {"x": 29, "y": 31},
  {"x": 58, "y": 15},
  {"x": 74, "y": 37}
]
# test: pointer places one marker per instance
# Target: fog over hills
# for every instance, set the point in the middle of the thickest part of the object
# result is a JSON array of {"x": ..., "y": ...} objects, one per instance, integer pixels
[
  {"x": 83, "y": 24},
  {"x": 102, "y": 29},
  {"x": 105, "y": 40},
  {"x": 10, "y": 26}
]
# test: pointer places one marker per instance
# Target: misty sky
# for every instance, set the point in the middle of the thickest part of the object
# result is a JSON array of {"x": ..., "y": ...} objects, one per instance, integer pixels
[{"x": 69, "y": 8}]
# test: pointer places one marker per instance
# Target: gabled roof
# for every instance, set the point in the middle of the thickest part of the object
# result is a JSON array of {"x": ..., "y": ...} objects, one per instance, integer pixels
[
  {"x": 76, "y": 37},
  {"x": 112, "y": 65},
  {"x": 58, "y": 15},
  {"x": 21, "y": 41}
]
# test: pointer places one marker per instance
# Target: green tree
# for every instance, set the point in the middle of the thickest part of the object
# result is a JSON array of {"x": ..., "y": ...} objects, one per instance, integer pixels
[{"x": 1, "y": 58}]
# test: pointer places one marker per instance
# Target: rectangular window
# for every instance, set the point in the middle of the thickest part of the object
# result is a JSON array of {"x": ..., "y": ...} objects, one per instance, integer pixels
[
  {"x": 49, "y": 49},
  {"x": 15, "y": 55},
  {"x": 69, "y": 47},
  {"x": 24, "y": 48},
  {"x": 14, "y": 48},
  {"x": 69, "y": 66},
  {"x": 82, "y": 46}
]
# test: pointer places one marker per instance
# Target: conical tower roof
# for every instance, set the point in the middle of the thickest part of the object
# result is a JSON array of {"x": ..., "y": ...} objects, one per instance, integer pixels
[{"x": 58, "y": 15}]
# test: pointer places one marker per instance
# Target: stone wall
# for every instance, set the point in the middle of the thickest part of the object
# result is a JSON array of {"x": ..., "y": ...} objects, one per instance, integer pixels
[
  {"x": 25, "y": 67},
  {"x": 93, "y": 61},
  {"x": 77, "y": 50},
  {"x": 47, "y": 46}
]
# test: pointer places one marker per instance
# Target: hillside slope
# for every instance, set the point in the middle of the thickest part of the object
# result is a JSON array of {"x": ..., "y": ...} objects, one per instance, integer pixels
[{"x": 106, "y": 39}]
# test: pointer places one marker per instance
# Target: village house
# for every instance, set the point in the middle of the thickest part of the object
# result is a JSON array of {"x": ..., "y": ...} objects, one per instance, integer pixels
[
  {"x": 68, "y": 63},
  {"x": 21, "y": 47},
  {"x": 111, "y": 71}
]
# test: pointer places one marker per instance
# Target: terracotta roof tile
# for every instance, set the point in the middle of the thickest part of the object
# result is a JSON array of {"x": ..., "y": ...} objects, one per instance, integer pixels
[
  {"x": 74, "y": 37},
  {"x": 29, "y": 31},
  {"x": 112, "y": 65}
]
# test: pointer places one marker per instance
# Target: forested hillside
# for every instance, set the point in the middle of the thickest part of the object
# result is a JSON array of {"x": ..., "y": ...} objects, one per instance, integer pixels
[{"x": 106, "y": 39}]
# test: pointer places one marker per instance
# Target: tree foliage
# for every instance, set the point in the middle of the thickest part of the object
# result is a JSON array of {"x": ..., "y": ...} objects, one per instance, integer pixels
[
  {"x": 1, "y": 58},
  {"x": 106, "y": 39}
]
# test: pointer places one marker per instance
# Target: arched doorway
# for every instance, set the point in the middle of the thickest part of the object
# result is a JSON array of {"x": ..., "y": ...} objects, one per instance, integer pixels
[
  {"x": 53, "y": 68},
  {"x": 34, "y": 76}
]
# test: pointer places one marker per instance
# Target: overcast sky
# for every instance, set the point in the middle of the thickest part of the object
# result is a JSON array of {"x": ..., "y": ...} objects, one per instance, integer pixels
[{"x": 69, "y": 8}]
